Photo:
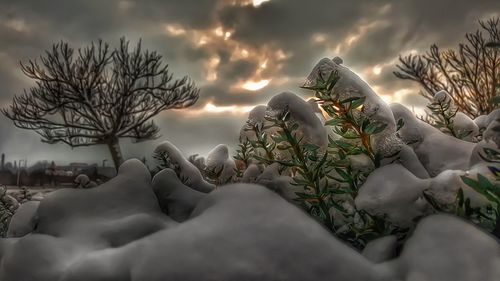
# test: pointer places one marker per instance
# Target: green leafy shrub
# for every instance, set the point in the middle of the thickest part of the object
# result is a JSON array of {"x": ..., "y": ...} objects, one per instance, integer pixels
[{"x": 326, "y": 177}]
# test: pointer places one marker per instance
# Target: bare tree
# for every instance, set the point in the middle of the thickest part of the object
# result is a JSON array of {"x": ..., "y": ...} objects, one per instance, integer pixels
[
  {"x": 470, "y": 74},
  {"x": 96, "y": 95}
]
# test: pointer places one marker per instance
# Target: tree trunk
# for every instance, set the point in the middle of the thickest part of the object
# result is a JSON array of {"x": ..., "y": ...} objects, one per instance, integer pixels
[{"x": 116, "y": 153}]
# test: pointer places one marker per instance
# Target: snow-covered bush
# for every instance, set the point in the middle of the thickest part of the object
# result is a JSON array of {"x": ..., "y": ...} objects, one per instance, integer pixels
[
  {"x": 362, "y": 168},
  {"x": 371, "y": 179}
]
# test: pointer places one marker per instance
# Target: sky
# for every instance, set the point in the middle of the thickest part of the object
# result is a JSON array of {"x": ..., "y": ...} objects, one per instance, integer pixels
[{"x": 239, "y": 52}]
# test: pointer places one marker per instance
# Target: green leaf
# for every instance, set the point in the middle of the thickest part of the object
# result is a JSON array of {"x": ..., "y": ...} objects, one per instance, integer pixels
[
  {"x": 357, "y": 102},
  {"x": 472, "y": 183},
  {"x": 364, "y": 122},
  {"x": 342, "y": 144},
  {"x": 333, "y": 122},
  {"x": 332, "y": 80},
  {"x": 483, "y": 181},
  {"x": 480, "y": 189},
  {"x": 375, "y": 128},
  {"x": 343, "y": 174},
  {"x": 310, "y": 147},
  {"x": 401, "y": 123}
]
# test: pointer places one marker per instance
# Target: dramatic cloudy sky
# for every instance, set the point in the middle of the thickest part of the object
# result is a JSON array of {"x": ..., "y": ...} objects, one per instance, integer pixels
[{"x": 240, "y": 53}]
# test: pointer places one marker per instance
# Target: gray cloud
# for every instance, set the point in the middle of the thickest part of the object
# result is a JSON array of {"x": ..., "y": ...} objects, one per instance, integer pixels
[{"x": 28, "y": 27}]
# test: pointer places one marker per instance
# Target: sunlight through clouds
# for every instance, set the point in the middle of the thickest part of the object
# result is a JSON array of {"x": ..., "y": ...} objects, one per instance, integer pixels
[
  {"x": 257, "y": 3},
  {"x": 255, "y": 85}
]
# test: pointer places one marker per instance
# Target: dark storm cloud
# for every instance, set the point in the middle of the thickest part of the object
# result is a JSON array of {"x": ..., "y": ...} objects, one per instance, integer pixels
[
  {"x": 290, "y": 24},
  {"x": 383, "y": 29},
  {"x": 403, "y": 25},
  {"x": 290, "y": 21},
  {"x": 238, "y": 69}
]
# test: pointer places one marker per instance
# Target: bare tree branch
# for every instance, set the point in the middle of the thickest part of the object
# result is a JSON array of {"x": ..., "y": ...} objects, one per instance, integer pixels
[
  {"x": 470, "y": 74},
  {"x": 95, "y": 95}
]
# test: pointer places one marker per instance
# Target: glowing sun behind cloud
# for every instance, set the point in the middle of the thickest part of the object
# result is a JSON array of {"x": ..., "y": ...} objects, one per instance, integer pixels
[
  {"x": 255, "y": 85},
  {"x": 257, "y": 3}
]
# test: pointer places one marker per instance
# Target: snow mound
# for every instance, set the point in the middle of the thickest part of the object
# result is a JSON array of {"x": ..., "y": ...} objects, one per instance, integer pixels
[
  {"x": 221, "y": 163},
  {"x": 301, "y": 112},
  {"x": 447, "y": 248},
  {"x": 116, "y": 231},
  {"x": 393, "y": 192},
  {"x": 436, "y": 151},
  {"x": 350, "y": 85},
  {"x": 189, "y": 174}
]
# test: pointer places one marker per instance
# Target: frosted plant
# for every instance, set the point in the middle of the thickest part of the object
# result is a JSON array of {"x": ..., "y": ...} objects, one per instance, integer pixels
[
  {"x": 186, "y": 171},
  {"x": 445, "y": 116},
  {"x": 310, "y": 127},
  {"x": 220, "y": 166},
  {"x": 337, "y": 85}
]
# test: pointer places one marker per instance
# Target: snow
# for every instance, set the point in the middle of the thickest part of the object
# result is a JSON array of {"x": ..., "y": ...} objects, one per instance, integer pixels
[
  {"x": 250, "y": 174},
  {"x": 234, "y": 232},
  {"x": 463, "y": 123},
  {"x": 176, "y": 199},
  {"x": 436, "y": 151},
  {"x": 381, "y": 249},
  {"x": 188, "y": 172},
  {"x": 349, "y": 85},
  {"x": 256, "y": 116},
  {"x": 219, "y": 161},
  {"x": 446, "y": 248},
  {"x": 177, "y": 226},
  {"x": 492, "y": 132},
  {"x": 393, "y": 192},
  {"x": 24, "y": 219},
  {"x": 301, "y": 112}
]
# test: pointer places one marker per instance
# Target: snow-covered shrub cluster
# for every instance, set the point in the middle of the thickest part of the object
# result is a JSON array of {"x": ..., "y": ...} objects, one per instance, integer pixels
[
  {"x": 308, "y": 178},
  {"x": 373, "y": 168}
]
